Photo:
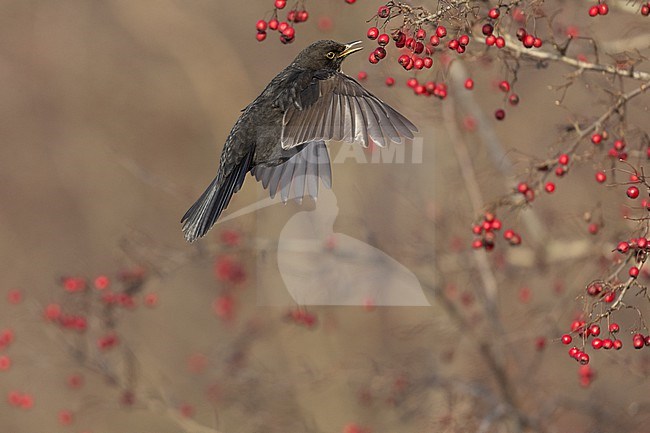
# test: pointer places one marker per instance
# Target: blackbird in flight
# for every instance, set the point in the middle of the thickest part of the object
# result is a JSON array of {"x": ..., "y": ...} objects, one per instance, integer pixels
[{"x": 280, "y": 137}]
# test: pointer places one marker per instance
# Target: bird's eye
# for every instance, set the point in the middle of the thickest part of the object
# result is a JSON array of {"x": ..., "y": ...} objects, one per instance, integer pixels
[{"x": 330, "y": 55}]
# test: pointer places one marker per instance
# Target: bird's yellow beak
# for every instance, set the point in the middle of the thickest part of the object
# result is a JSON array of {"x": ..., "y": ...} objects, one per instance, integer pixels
[{"x": 350, "y": 48}]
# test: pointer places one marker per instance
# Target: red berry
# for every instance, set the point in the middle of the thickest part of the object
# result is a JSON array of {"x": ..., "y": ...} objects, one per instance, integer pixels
[
  {"x": 594, "y": 330},
  {"x": 537, "y": 43},
  {"x": 463, "y": 40},
  {"x": 373, "y": 33},
  {"x": 593, "y": 228},
  {"x": 487, "y": 29},
  {"x": 469, "y": 84},
  {"x": 428, "y": 62},
  {"x": 390, "y": 81},
  {"x": 618, "y": 344},
  {"x": 441, "y": 31},
  {"x": 593, "y": 11},
  {"x": 504, "y": 86},
  {"x": 633, "y": 192},
  {"x": 490, "y": 40},
  {"x": 494, "y": 13},
  {"x": 634, "y": 272},
  {"x": 500, "y": 114},
  {"x": 280, "y": 4},
  {"x": 614, "y": 328},
  {"x": 573, "y": 352},
  {"x": 453, "y": 44},
  {"x": 372, "y": 58},
  {"x": 638, "y": 341},
  {"x": 601, "y": 177},
  {"x": 645, "y": 10},
  {"x": 513, "y": 99},
  {"x": 623, "y": 247},
  {"x": 383, "y": 12},
  {"x": 261, "y": 25},
  {"x": 500, "y": 42},
  {"x": 583, "y": 358},
  {"x": 549, "y": 187},
  {"x": 260, "y": 36},
  {"x": 383, "y": 39},
  {"x": 563, "y": 159},
  {"x": 597, "y": 343},
  {"x": 380, "y": 52},
  {"x": 420, "y": 34},
  {"x": 362, "y": 75},
  {"x": 603, "y": 9},
  {"x": 566, "y": 339},
  {"x": 273, "y": 24},
  {"x": 528, "y": 41},
  {"x": 434, "y": 40},
  {"x": 609, "y": 297},
  {"x": 608, "y": 343},
  {"x": 522, "y": 187}
]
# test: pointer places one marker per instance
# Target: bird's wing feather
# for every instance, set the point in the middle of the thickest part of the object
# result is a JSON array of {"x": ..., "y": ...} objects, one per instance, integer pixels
[
  {"x": 298, "y": 176},
  {"x": 337, "y": 107}
]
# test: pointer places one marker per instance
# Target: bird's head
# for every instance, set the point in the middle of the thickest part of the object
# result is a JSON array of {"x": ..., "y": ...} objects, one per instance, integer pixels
[{"x": 325, "y": 55}]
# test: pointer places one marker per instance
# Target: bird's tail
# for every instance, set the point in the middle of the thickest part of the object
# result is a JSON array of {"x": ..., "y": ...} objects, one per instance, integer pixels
[{"x": 204, "y": 212}]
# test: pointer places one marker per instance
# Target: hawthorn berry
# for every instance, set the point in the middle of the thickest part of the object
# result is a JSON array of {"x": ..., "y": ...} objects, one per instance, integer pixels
[
  {"x": 373, "y": 33},
  {"x": 618, "y": 344},
  {"x": 633, "y": 192},
  {"x": 563, "y": 159},
  {"x": 383, "y": 39},
  {"x": 513, "y": 99},
  {"x": 383, "y": 12},
  {"x": 638, "y": 341},
  {"x": 390, "y": 81},
  {"x": 280, "y": 4},
  {"x": 549, "y": 187},
  {"x": 274, "y": 24},
  {"x": 566, "y": 339},
  {"x": 634, "y": 272},
  {"x": 603, "y": 9},
  {"x": 601, "y": 176},
  {"x": 504, "y": 86},
  {"x": 645, "y": 10},
  {"x": 500, "y": 42},
  {"x": 614, "y": 328},
  {"x": 487, "y": 29},
  {"x": 261, "y": 25},
  {"x": 623, "y": 247},
  {"x": 463, "y": 40},
  {"x": 593, "y": 11},
  {"x": 441, "y": 31},
  {"x": 494, "y": 13},
  {"x": 260, "y": 36},
  {"x": 500, "y": 114},
  {"x": 608, "y": 343},
  {"x": 597, "y": 343},
  {"x": 596, "y": 138},
  {"x": 469, "y": 84},
  {"x": 529, "y": 41},
  {"x": 490, "y": 40},
  {"x": 594, "y": 330}
]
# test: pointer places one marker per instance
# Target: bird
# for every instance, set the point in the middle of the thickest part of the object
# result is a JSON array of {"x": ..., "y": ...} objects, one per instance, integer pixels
[{"x": 280, "y": 137}]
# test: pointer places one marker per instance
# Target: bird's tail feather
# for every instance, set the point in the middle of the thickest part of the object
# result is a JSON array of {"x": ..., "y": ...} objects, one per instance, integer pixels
[{"x": 204, "y": 212}]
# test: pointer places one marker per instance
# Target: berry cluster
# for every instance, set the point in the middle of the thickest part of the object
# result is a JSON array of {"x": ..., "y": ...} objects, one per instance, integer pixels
[
  {"x": 286, "y": 30},
  {"x": 528, "y": 40},
  {"x": 302, "y": 317},
  {"x": 599, "y": 9},
  {"x": 298, "y": 14},
  {"x": 486, "y": 233}
]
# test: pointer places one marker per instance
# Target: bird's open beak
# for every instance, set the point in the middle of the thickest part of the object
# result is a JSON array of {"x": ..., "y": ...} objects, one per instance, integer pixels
[{"x": 350, "y": 48}]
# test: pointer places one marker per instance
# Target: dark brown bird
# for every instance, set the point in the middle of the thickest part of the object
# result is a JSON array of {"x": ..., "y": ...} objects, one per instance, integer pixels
[{"x": 280, "y": 137}]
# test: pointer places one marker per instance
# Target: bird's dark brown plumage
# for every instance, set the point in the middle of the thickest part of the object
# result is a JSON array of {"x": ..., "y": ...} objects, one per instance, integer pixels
[{"x": 280, "y": 137}]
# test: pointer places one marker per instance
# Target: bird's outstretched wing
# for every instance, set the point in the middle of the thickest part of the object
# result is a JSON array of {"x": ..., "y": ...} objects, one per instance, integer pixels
[
  {"x": 298, "y": 176},
  {"x": 337, "y": 107}
]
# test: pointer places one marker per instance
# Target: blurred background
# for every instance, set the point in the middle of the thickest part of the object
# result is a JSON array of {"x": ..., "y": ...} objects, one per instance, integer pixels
[{"x": 112, "y": 118}]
